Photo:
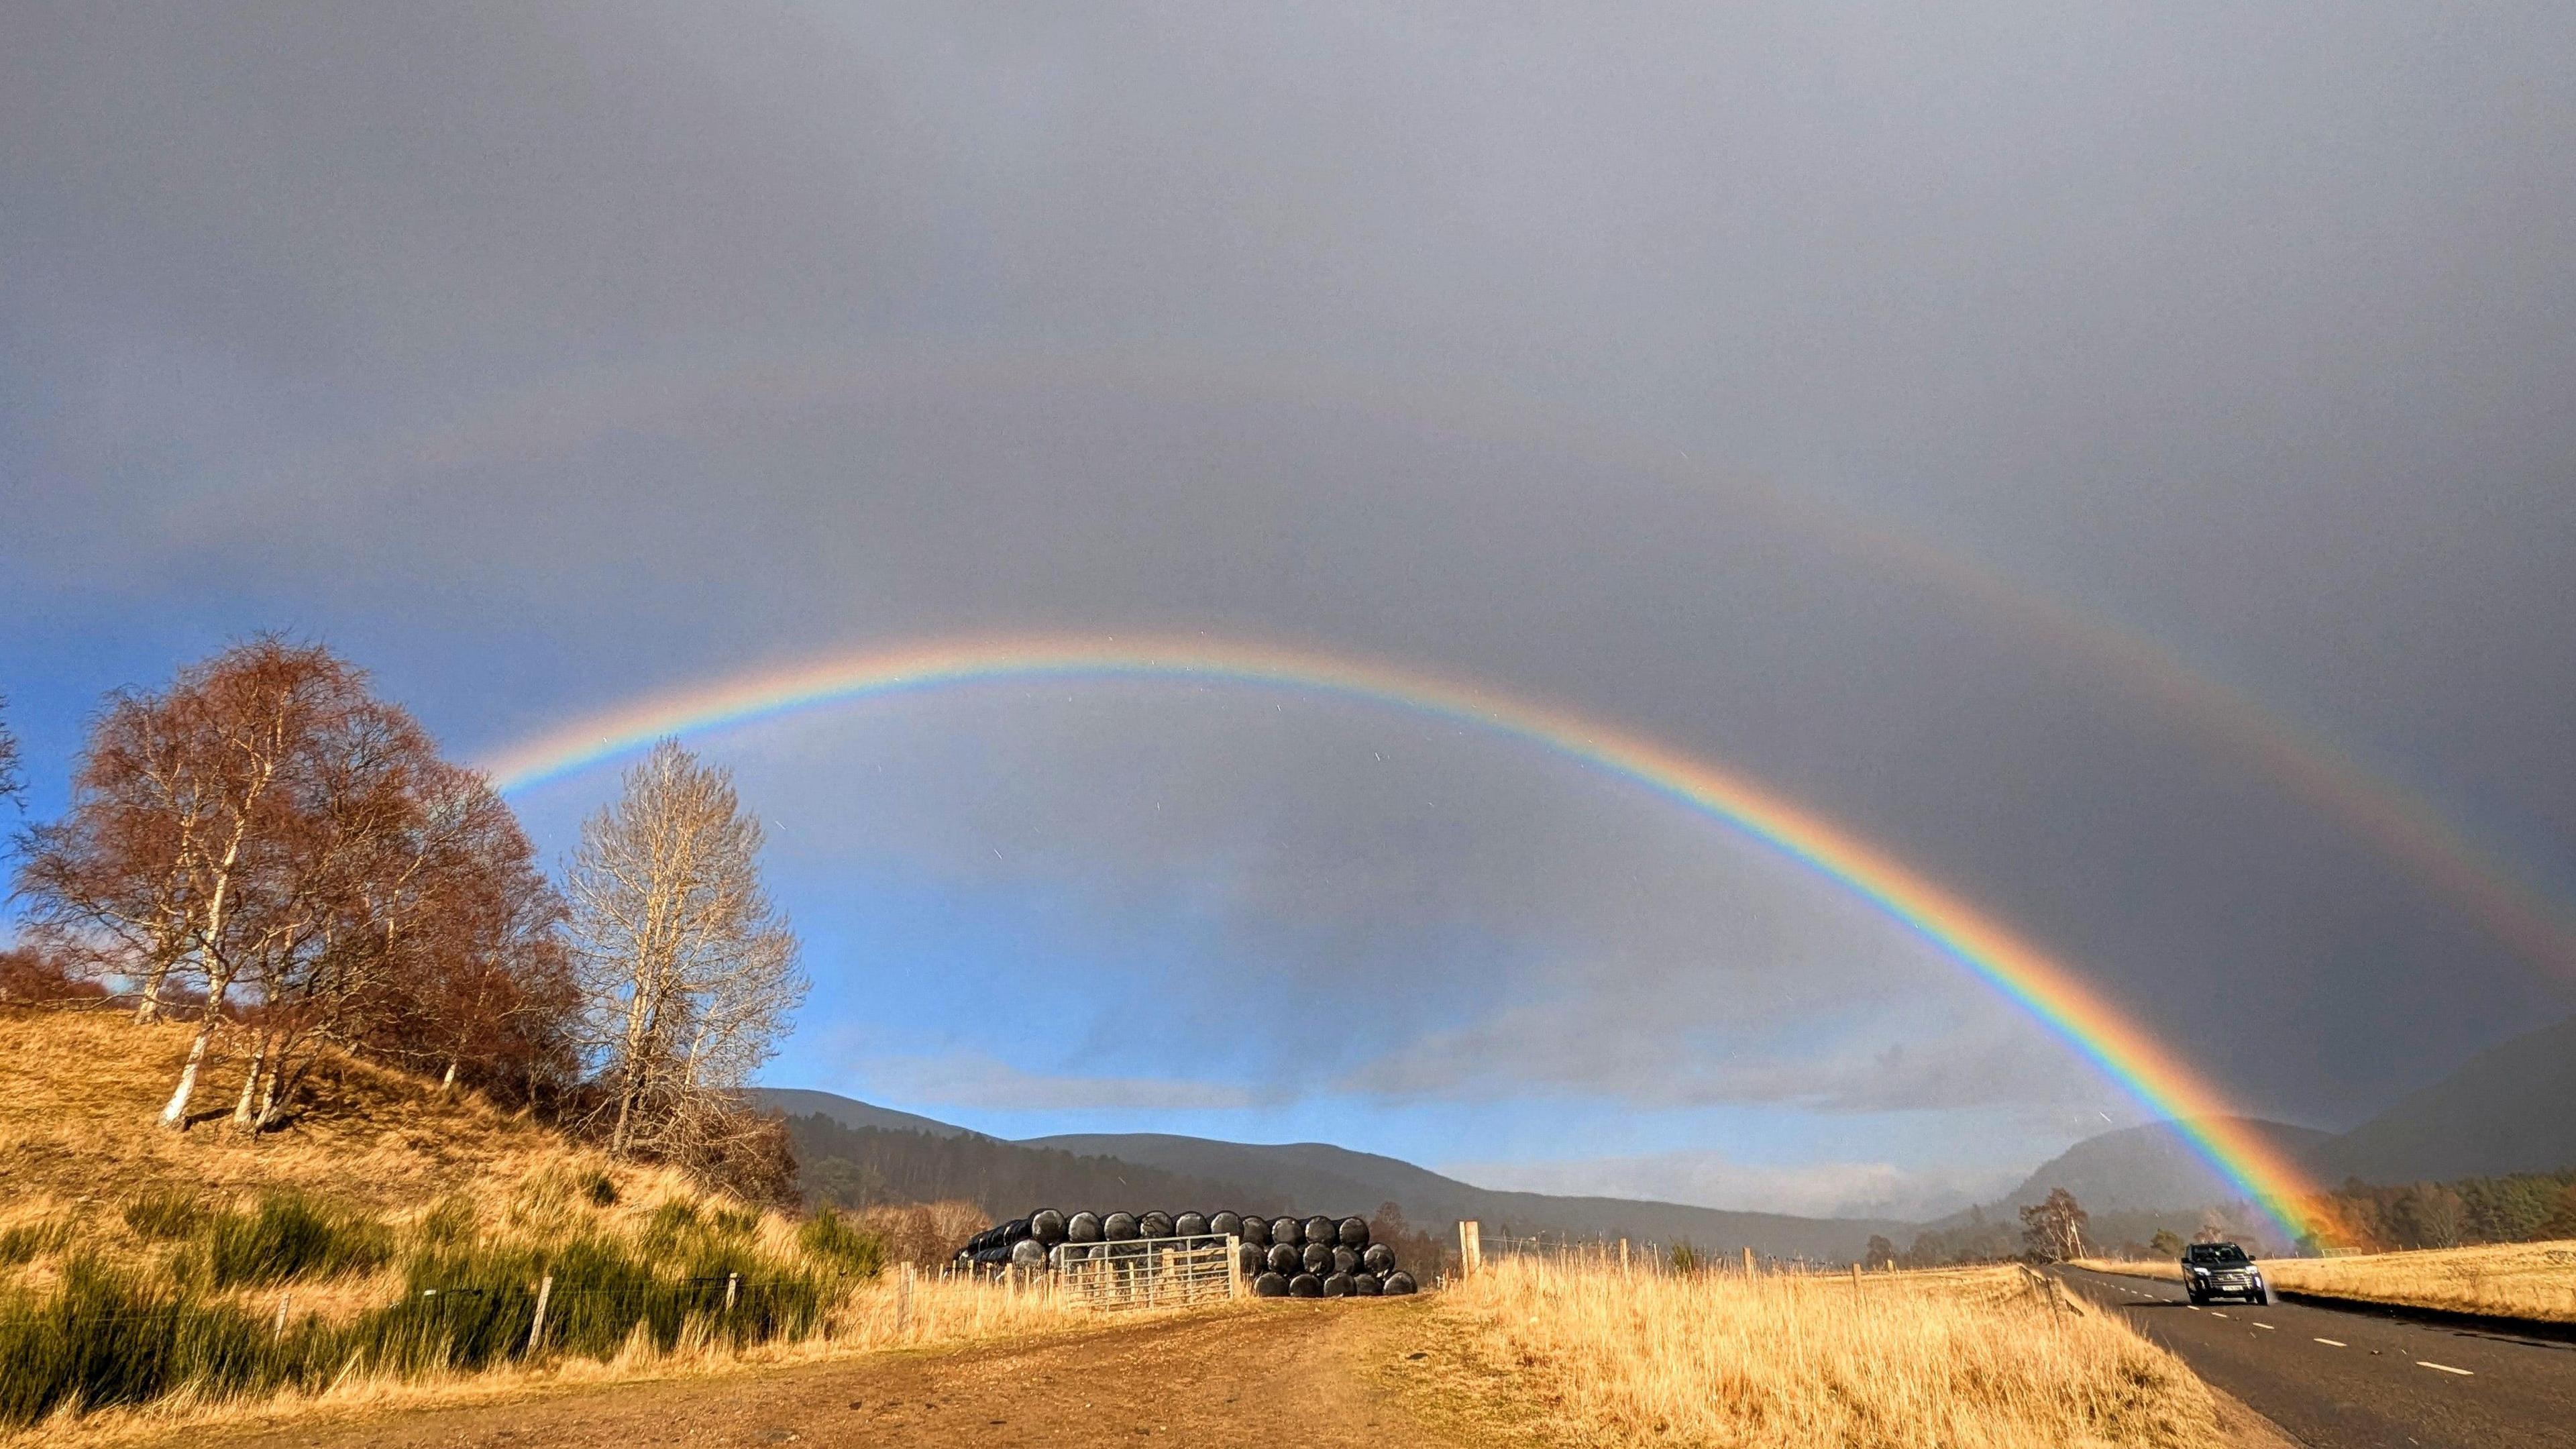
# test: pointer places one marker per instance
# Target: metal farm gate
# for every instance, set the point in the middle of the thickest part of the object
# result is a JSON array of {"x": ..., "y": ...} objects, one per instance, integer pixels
[{"x": 1149, "y": 1272}]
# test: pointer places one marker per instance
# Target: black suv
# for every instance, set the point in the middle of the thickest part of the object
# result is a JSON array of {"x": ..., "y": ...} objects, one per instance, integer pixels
[{"x": 2221, "y": 1270}]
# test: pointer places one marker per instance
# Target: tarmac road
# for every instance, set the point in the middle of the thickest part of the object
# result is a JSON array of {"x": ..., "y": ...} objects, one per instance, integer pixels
[{"x": 2357, "y": 1380}]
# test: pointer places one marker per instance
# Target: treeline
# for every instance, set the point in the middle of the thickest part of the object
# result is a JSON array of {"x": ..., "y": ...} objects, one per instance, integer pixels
[
  {"x": 2517, "y": 1208},
  {"x": 870, "y": 1170},
  {"x": 270, "y": 854},
  {"x": 865, "y": 1167}
]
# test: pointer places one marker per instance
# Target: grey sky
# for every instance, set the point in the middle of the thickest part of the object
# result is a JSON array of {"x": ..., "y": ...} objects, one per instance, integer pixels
[{"x": 543, "y": 355}]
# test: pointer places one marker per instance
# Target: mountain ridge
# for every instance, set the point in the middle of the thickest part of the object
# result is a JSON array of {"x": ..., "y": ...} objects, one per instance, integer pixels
[{"x": 2497, "y": 1112}]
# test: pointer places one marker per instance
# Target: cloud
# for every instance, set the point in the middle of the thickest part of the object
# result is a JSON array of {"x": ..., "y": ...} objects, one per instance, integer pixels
[
  {"x": 1712, "y": 1179},
  {"x": 1893, "y": 1060},
  {"x": 818, "y": 329}
]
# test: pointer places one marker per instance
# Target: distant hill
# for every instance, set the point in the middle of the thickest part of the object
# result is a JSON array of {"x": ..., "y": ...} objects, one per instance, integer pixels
[
  {"x": 2505, "y": 1110},
  {"x": 1319, "y": 1178},
  {"x": 801, "y": 1102},
  {"x": 860, "y": 1167},
  {"x": 2148, "y": 1169},
  {"x": 855, "y": 1153},
  {"x": 2510, "y": 1108}
]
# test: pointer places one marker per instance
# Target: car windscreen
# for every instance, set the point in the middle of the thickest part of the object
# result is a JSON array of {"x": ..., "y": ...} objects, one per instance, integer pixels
[{"x": 2219, "y": 1253}]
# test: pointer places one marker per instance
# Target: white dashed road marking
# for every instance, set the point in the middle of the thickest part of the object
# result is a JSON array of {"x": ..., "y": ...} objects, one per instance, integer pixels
[
  {"x": 2446, "y": 1368},
  {"x": 2214, "y": 1313},
  {"x": 2331, "y": 1342},
  {"x": 2262, "y": 1325}
]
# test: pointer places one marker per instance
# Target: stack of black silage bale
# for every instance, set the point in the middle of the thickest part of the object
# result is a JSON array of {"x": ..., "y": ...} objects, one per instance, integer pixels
[{"x": 1316, "y": 1257}]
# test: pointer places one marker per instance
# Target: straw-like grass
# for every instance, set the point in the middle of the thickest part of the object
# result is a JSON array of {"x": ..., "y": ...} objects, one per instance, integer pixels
[
  {"x": 393, "y": 1236},
  {"x": 1584, "y": 1353},
  {"x": 2507, "y": 1280}
]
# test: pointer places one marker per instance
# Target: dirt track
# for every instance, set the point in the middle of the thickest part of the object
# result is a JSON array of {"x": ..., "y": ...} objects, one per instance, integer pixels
[{"x": 1285, "y": 1373}]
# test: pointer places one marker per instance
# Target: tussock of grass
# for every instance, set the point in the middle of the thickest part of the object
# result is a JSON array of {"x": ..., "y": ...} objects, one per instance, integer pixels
[
  {"x": 24, "y": 1242},
  {"x": 2507, "y": 1280},
  {"x": 1586, "y": 1354},
  {"x": 829, "y": 1237},
  {"x": 162, "y": 1213},
  {"x": 466, "y": 1301},
  {"x": 288, "y": 1237}
]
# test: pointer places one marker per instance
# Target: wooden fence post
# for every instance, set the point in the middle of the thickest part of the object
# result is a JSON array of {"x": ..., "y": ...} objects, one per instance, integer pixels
[
  {"x": 1233, "y": 1266},
  {"x": 537, "y": 1325},
  {"x": 1855, "y": 1277},
  {"x": 733, "y": 1285},
  {"x": 1748, "y": 1262},
  {"x": 903, "y": 1300},
  {"x": 1471, "y": 1246},
  {"x": 283, "y": 1298}
]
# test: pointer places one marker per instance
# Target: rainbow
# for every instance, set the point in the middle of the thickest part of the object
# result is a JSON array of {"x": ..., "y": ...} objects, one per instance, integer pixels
[
  {"x": 2402, "y": 823},
  {"x": 2015, "y": 969}
]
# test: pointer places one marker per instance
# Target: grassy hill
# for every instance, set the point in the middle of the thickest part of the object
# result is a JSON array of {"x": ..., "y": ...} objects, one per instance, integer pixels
[
  {"x": 2502, "y": 1111},
  {"x": 388, "y": 1231},
  {"x": 80, "y": 1093}
]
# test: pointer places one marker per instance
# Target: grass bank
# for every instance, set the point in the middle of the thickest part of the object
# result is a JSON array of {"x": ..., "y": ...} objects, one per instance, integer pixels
[
  {"x": 1584, "y": 1354},
  {"x": 391, "y": 1245},
  {"x": 2505, "y": 1280}
]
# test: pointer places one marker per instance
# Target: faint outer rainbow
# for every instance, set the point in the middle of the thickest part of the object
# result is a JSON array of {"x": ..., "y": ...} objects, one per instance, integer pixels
[
  {"x": 2406, "y": 825},
  {"x": 2020, "y": 972}
]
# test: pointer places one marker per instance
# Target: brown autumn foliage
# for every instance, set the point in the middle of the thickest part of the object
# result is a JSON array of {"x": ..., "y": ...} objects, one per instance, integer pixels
[
  {"x": 267, "y": 838},
  {"x": 924, "y": 1234},
  {"x": 30, "y": 975}
]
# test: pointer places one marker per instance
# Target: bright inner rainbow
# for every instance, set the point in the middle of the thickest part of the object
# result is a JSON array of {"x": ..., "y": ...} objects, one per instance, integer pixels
[{"x": 2022, "y": 973}]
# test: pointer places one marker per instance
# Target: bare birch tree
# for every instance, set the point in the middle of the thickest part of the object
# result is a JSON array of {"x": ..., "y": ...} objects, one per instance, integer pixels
[
  {"x": 270, "y": 843},
  {"x": 689, "y": 972},
  {"x": 13, "y": 783},
  {"x": 107, "y": 886}
]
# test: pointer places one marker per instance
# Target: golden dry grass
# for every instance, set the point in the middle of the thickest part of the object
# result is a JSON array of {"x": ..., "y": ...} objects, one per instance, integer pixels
[
  {"x": 2509, "y": 1280},
  {"x": 926, "y": 1312},
  {"x": 1964, "y": 1359},
  {"x": 80, "y": 1092}
]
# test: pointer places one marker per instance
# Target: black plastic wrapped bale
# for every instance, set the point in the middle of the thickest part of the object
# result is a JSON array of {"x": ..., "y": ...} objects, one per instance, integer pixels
[
  {"x": 1317, "y": 1258},
  {"x": 1399, "y": 1282},
  {"x": 1305, "y": 1285},
  {"x": 1226, "y": 1225},
  {"x": 1251, "y": 1258},
  {"x": 1271, "y": 1285},
  {"x": 1255, "y": 1230},
  {"x": 1028, "y": 1253},
  {"x": 1082, "y": 1227},
  {"x": 1353, "y": 1233},
  {"x": 1319, "y": 1229},
  {"x": 1047, "y": 1226},
  {"x": 1284, "y": 1259},
  {"x": 1345, "y": 1261},
  {"x": 1366, "y": 1285},
  {"x": 1337, "y": 1285},
  {"x": 1189, "y": 1225},
  {"x": 1288, "y": 1231},
  {"x": 1378, "y": 1258},
  {"x": 1119, "y": 1227},
  {"x": 1154, "y": 1225}
]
